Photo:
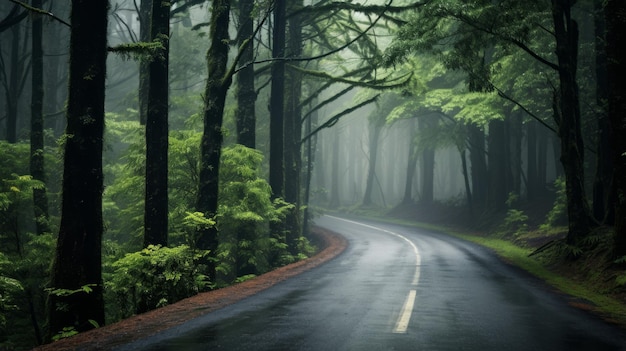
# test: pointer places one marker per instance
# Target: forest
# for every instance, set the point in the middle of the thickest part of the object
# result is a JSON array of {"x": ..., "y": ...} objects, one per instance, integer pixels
[{"x": 154, "y": 150}]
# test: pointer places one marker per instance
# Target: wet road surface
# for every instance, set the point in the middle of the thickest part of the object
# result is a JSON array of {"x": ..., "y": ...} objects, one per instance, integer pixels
[{"x": 397, "y": 288}]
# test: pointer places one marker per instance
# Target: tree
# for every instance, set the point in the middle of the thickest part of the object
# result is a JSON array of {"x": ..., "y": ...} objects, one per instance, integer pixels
[
  {"x": 603, "y": 197},
  {"x": 40, "y": 199},
  {"x": 211, "y": 144},
  {"x": 569, "y": 121},
  {"x": 615, "y": 13},
  {"x": 156, "y": 199},
  {"x": 14, "y": 83},
  {"x": 277, "y": 100},
  {"x": 246, "y": 95},
  {"x": 293, "y": 128},
  {"x": 474, "y": 29},
  {"x": 76, "y": 298},
  {"x": 144, "y": 15}
]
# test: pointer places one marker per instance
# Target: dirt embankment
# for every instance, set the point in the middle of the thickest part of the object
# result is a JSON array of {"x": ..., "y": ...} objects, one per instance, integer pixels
[{"x": 151, "y": 323}]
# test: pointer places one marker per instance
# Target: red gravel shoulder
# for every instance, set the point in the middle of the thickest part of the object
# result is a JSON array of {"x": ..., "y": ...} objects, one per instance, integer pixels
[{"x": 152, "y": 322}]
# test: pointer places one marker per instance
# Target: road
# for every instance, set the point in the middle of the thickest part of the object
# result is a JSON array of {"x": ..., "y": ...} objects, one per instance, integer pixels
[{"x": 398, "y": 288}]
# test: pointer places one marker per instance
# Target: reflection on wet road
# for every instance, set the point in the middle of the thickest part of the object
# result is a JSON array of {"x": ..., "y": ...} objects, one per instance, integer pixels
[{"x": 397, "y": 288}]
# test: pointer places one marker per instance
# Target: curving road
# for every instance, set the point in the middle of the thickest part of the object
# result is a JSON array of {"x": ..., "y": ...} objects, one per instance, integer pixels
[{"x": 397, "y": 288}]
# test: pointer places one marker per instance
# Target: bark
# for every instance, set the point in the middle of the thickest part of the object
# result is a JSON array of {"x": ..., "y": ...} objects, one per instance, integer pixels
[
  {"x": 568, "y": 121},
  {"x": 12, "y": 90},
  {"x": 515, "y": 137},
  {"x": 602, "y": 194},
  {"x": 532, "y": 173},
  {"x": 428, "y": 166},
  {"x": 79, "y": 246},
  {"x": 468, "y": 189},
  {"x": 411, "y": 165},
  {"x": 246, "y": 95},
  {"x": 335, "y": 200},
  {"x": 40, "y": 198},
  {"x": 311, "y": 146},
  {"x": 478, "y": 165},
  {"x": 293, "y": 131},
  {"x": 375, "y": 127},
  {"x": 497, "y": 172},
  {"x": 145, "y": 9},
  {"x": 615, "y": 15},
  {"x": 156, "y": 199},
  {"x": 276, "y": 177},
  {"x": 211, "y": 145}
]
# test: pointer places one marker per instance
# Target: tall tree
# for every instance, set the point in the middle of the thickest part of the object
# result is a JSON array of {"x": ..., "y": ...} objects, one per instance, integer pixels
[
  {"x": 615, "y": 15},
  {"x": 211, "y": 145},
  {"x": 429, "y": 122},
  {"x": 569, "y": 121},
  {"x": 293, "y": 128},
  {"x": 156, "y": 199},
  {"x": 277, "y": 98},
  {"x": 77, "y": 266},
  {"x": 40, "y": 198},
  {"x": 144, "y": 16},
  {"x": 14, "y": 85},
  {"x": 246, "y": 95},
  {"x": 407, "y": 199},
  {"x": 603, "y": 197}
]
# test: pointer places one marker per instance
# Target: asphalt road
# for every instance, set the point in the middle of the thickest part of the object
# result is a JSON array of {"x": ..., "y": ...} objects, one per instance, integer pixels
[{"x": 397, "y": 288}]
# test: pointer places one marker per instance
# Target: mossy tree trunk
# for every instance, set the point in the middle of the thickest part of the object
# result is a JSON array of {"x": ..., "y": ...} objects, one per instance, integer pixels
[{"x": 216, "y": 88}]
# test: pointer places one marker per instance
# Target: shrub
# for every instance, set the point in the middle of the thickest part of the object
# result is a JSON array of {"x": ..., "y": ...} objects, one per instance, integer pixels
[{"x": 154, "y": 277}]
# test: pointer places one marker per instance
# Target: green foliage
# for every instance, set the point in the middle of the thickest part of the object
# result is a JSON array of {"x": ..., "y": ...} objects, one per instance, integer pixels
[
  {"x": 10, "y": 289},
  {"x": 154, "y": 277},
  {"x": 558, "y": 214},
  {"x": 515, "y": 220},
  {"x": 66, "y": 332},
  {"x": 244, "y": 214}
]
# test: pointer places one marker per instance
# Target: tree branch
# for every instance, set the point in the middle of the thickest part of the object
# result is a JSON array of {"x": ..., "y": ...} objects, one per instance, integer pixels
[
  {"x": 333, "y": 120},
  {"x": 40, "y": 11}
]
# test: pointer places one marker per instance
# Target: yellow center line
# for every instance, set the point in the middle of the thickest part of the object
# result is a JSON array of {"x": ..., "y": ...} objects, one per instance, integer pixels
[{"x": 405, "y": 316}]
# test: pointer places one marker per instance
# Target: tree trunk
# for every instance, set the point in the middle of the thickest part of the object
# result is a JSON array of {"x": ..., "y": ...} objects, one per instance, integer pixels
[
  {"x": 13, "y": 90},
  {"x": 515, "y": 137},
  {"x": 532, "y": 173},
  {"x": 145, "y": 9},
  {"x": 428, "y": 165},
  {"x": 246, "y": 95},
  {"x": 603, "y": 210},
  {"x": 156, "y": 199},
  {"x": 40, "y": 198},
  {"x": 568, "y": 121},
  {"x": 211, "y": 145},
  {"x": 277, "y": 97},
  {"x": 311, "y": 146},
  {"x": 614, "y": 13},
  {"x": 293, "y": 132},
  {"x": 468, "y": 189},
  {"x": 411, "y": 165},
  {"x": 478, "y": 165},
  {"x": 374, "y": 133},
  {"x": 335, "y": 199},
  {"x": 79, "y": 246},
  {"x": 497, "y": 173}
]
